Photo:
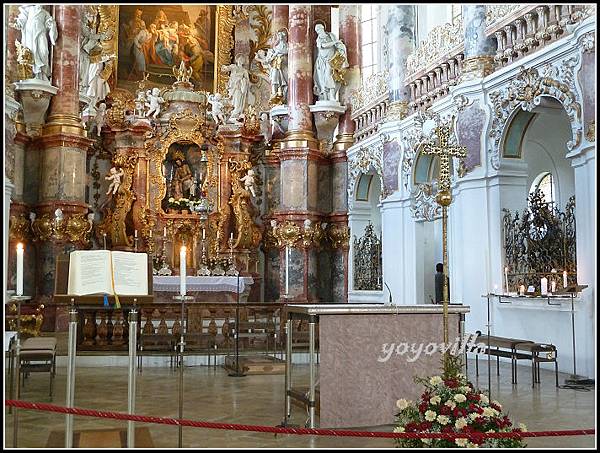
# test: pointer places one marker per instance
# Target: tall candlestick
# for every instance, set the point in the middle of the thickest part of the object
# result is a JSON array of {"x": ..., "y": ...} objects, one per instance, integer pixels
[
  {"x": 287, "y": 270},
  {"x": 565, "y": 284},
  {"x": 544, "y": 286},
  {"x": 182, "y": 270},
  {"x": 506, "y": 278},
  {"x": 19, "y": 269}
]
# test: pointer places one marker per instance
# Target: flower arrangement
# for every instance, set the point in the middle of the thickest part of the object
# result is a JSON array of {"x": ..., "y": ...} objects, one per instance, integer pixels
[
  {"x": 180, "y": 203},
  {"x": 450, "y": 404}
]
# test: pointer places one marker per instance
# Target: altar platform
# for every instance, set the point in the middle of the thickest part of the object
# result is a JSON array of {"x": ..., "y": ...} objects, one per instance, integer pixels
[
  {"x": 203, "y": 288},
  {"x": 363, "y": 368}
]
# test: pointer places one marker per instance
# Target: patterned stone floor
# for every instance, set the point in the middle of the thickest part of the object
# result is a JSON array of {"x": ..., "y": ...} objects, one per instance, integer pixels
[{"x": 213, "y": 396}]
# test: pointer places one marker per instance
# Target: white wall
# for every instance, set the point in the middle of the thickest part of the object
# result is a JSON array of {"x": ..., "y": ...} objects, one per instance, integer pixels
[{"x": 430, "y": 16}]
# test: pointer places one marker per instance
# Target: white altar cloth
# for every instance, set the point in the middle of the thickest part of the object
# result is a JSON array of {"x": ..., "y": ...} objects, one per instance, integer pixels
[{"x": 170, "y": 283}]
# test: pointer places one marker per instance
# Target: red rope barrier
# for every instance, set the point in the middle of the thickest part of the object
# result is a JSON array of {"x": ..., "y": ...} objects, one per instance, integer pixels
[{"x": 280, "y": 430}]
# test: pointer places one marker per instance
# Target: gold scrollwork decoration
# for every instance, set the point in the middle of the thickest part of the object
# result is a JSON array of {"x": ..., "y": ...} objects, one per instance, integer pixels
[
  {"x": 19, "y": 228},
  {"x": 338, "y": 235},
  {"x": 75, "y": 228},
  {"x": 224, "y": 32},
  {"x": 247, "y": 233}
]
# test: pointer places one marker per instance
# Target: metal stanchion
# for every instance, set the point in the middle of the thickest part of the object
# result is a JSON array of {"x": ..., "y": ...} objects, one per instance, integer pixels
[
  {"x": 488, "y": 349},
  {"x": 311, "y": 353},
  {"x": 181, "y": 345},
  {"x": 17, "y": 368},
  {"x": 288, "y": 371},
  {"x": 133, "y": 323},
  {"x": 72, "y": 351},
  {"x": 237, "y": 334}
]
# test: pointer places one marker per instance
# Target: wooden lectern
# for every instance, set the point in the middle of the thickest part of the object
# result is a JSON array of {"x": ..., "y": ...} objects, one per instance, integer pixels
[{"x": 61, "y": 284}]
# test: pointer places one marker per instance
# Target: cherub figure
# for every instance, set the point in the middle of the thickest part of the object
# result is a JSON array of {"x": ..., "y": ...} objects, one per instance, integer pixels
[
  {"x": 265, "y": 126},
  {"x": 216, "y": 101},
  {"x": 248, "y": 181},
  {"x": 154, "y": 101},
  {"x": 115, "y": 176},
  {"x": 140, "y": 104},
  {"x": 99, "y": 119}
]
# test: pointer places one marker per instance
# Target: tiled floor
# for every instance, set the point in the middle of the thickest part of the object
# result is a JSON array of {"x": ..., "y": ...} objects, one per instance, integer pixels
[{"x": 211, "y": 395}]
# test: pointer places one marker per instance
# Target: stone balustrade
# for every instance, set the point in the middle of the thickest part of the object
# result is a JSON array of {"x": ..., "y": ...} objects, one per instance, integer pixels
[{"x": 369, "y": 105}]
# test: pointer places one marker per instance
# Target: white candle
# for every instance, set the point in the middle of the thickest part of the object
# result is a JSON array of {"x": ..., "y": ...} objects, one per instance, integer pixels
[
  {"x": 553, "y": 286},
  {"x": 231, "y": 237},
  {"x": 544, "y": 286},
  {"x": 203, "y": 233},
  {"x": 565, "y": 284},
  {"x": 150, "y": 233},
  {"x": 19, "y": 269},
  {"x": 135, "y": 234},
  {"x": 182, "y": 271},
  {"x": 165, "y": 231},
  {"x": 522, "y": 290},
  {"x": 287, "y": 270},
  {"x": 506, "y": 278},
  {"x": 104, "y": 240}
]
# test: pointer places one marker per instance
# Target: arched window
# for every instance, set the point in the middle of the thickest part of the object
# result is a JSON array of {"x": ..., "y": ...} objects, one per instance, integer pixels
[
  {"x": 545, "y": 184},
  {"x": 369, "y": 45}
]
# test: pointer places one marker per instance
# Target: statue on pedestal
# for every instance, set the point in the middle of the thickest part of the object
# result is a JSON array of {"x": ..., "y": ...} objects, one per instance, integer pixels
[
  {"x": 115, "y": 176},
  {"x": 248, "y": 181},
  {"x": 98, "y": 87},
  {"x": 237, "y": 86},
  {"x": 183, "y": 179},
  {"x": 216, "y": 101},
  {"x": 330, "y": 65},
  {"x": 34, "y": 22},
  {"x": 90, "y": 45},
  {"x": 275, "y": 60},
  {"x": 154, "y": 101}
]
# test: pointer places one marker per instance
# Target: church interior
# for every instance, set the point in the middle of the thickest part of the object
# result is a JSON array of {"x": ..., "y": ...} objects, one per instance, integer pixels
[{"x": 232, "y": 226}]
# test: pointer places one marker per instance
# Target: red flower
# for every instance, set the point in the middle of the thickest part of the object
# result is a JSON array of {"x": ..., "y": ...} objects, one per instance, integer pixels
[
  {"x": 495, "y": 406},
  {"x": 423, "y": 407},
  {"x": 445, "y": 410},
  {"x": 473, "y": 396},
  {"x": 411, "y": 427},
  {"x": 451, "y": 383},
  {"x": 425, "y": 425},
  {"x": 447, "y": 429}
]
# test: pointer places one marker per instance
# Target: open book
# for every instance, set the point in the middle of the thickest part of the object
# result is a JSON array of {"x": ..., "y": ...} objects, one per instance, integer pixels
[{"x": 94, "y": 271}]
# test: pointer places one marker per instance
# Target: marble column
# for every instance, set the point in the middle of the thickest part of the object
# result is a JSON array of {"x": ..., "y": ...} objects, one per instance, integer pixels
[
  {"x": 63, "y": 148},
  {"x": 401, "y": 26},
  {"x": 280, "y": 18},
  {"x": 322, "y": 13},
  {"x": 350, "y": 35},
  {"x": 479, "y": 49},
  {"x": 300, "y": 79},
  {"x": 12, "y": 34}
]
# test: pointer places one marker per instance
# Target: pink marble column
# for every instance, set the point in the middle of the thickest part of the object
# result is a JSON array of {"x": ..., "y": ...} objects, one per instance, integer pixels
[
  {"x": 300, "y": 80},
  {"x": 12, "y": 34},
  {"x": 63, "y": 115},
  {"x": 350, "y": 34},
  {"x": 280, "y": 18},
  {"x": 322, "y": 13}
]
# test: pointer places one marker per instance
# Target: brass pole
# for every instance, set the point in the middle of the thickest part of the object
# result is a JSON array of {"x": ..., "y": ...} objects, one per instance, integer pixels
[{"x": 445, "y": 264}]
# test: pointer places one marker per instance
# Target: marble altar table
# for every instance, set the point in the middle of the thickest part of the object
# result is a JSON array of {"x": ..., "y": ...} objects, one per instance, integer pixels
[{"x": 359, "y": 383}]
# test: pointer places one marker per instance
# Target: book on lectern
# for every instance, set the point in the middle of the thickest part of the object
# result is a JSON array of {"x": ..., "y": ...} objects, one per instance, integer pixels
[{"x": 108, "y": 272}]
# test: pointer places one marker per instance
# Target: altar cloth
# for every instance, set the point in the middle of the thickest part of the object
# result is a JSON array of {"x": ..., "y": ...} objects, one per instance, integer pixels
[{"x": 170, "y": 283}]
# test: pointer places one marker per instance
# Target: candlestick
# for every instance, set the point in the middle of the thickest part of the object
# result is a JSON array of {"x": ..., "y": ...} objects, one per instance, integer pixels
[
  {"x": 544, "y": 286},
  {"x": 19, "y": 269},
  {"x": 231, "y": 237},
  {"x": 287, "y": 270},
  {"x": 506, "y": 278},
  {"x": 565, "y": 284},
  {"x": 182, "y": 270},
  {"x": 104, "y": 240}
]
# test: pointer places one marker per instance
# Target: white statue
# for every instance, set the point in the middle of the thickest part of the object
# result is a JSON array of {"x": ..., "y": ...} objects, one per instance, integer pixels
[
  {"x": 275, "y": 60},
  {"x": 329, "y": 64},
  {"x": 154, "y": 102},
  {"x": 59, "y": 215},
  {"x": 98, "y": 87},
  {"x": 115, "y": 176},
  {"x": 238, "y": 85},
  {"x": 140, "y": 104},
  {"x": 248, "y": 181},
  {"x": 307, "y": 224},
  {"x": 32, "y": 217},
  {"x": 90, "y": 45},
  {"x": 265, "y": 126},
  {"x": 216, "y": 101},
  {"x": 34, "y": 21},
  {"x": 99, "y": 119}
]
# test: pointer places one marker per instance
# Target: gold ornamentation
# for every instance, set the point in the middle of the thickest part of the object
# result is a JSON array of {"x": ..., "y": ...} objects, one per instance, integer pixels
[
  {"x": 475, "y": 67},
  {"x": 73, "y": 228},
  {"x": 444, "y": 151},
  {"x": 590, "y": 135},
  {"x": 24, "y": 62},
  {"x": 338, "y": 235},
  {"x": 260, "y": 22},
  {"x": 339, "y": 67},
  {"x": 251, "y": 124},
  {"x": 373, "y": 91},
  {"x": 398, "y": 111},
  {"x": 225, "y": 42},
  {"x": 182, "y": 73},
  {"x": 286, "y": 234},
  {"x": 19, "y": 228},
  {"x": 494, "y": 13},
  {"x": 313, "y": 235},
  {"x": 29, "y": 324},
  {"x": 122, "y": 101},
  {"x": 441, "y": 41},
  {"x": 109, "y": 18},
  {"x": 248, "y": 234},
  {"x": 365, "y": 159}
]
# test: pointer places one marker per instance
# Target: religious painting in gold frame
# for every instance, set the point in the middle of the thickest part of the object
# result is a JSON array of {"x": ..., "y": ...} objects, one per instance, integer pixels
[{"x": 154, "y": 38}]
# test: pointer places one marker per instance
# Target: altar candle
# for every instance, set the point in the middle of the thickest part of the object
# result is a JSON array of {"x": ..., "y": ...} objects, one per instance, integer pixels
[
  {"x": 506, "y": 278},
  {"x": 135, "y": 234},
  {"x": 165, "y": 231},
  {"x": 182, "y": 271},
  {"x": 553, "y": 286},
  {"x": 203, "y": 233},
  {"x": 565, "y": 284},
  {"x": 231, "y": 237},
  {"x": 150, "y": 233},
  {"x": 104, "y": 240},
  {"x": 19, "y": 269},
  {"x": 522, "y": 290},
  {"x": 544, "y": 286},
  {"x": 287, "y": 270}
]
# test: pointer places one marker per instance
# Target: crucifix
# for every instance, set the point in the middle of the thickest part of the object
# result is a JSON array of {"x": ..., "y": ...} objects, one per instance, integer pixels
[{"x": 444, "y": 151}]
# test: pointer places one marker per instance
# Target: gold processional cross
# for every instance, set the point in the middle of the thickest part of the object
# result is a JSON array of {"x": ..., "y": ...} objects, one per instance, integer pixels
[{"x": 444, "y": 151}]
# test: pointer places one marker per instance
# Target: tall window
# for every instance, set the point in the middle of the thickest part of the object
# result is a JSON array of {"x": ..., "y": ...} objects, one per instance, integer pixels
[
  {"x": 370, "y": 46},
  {"x": 545, "y": 184}
]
